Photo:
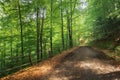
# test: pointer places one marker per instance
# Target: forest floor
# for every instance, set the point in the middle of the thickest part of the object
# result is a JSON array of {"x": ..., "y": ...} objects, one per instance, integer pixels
[{"x": 79, "y": 63}]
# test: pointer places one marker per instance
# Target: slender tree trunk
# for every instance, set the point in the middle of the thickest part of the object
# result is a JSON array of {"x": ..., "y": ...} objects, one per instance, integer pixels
[
  {"x": 69, "y": 24},
  {"x": 38, "y": 35},
  {"x": 4, "y": 54},
  {"x": 76, "y": 37},
  {"x": 0, "y": 57},
  {"x": 46, "y": 56},
  {"x": 62, "y": 31},
  {"x": 68, "y": 28},
  {"x": 11, "y": 44},
  {"x": 21, "y": 30},
  {"x": 30, "y": 58},
  {"x": 41, "y": 34},
  {"x": 17, "y": 54},
  {"x": 51, "y": 21},
  {"x": 70, "y": 36},
  {"x": 67, "y": 40}
]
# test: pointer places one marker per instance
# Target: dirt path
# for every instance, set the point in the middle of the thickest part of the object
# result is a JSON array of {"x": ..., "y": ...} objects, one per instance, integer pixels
[{"x": 83, "y": 63}]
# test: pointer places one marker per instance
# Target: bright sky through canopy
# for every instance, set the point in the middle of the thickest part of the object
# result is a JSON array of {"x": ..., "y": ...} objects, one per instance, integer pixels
[{"x": 83, "y": 4}]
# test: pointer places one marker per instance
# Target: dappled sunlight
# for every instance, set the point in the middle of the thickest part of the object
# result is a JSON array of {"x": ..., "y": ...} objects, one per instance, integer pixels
[
  {"x": 31, "y": 73},
  {"x": 76, "y": 64},
  {"x": 35, "y": 71},
  {"x": 58, "y": 78},
  {"x": 39, "y": 70},
  {"x": 97, "y": 66}
]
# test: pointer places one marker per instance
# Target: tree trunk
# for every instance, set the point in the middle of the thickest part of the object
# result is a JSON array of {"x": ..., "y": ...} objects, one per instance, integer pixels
[
  {"x": 62, "y": 31},
  {"x": 41, "y": 34},
  {"x": 30, "y": 58},
  {"x": 21, "y": 31},
  {"x": 68, "y": 28},
  {"x": 70, "y": 36},
  {"x": 4, "y": 54},
  {"x": 51, "y": 21},
  {"x": 38, "y": 35},
  {"x": 11, "y": 45},
  {"x": 17, "y": 55}
]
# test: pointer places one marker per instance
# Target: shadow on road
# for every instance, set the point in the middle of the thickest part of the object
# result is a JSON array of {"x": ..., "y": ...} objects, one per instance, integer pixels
[{"x": 81, "y": 63}]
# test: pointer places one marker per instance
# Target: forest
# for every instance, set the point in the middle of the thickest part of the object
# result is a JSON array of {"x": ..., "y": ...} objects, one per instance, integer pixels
[{"x": 32, "y": 31}]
